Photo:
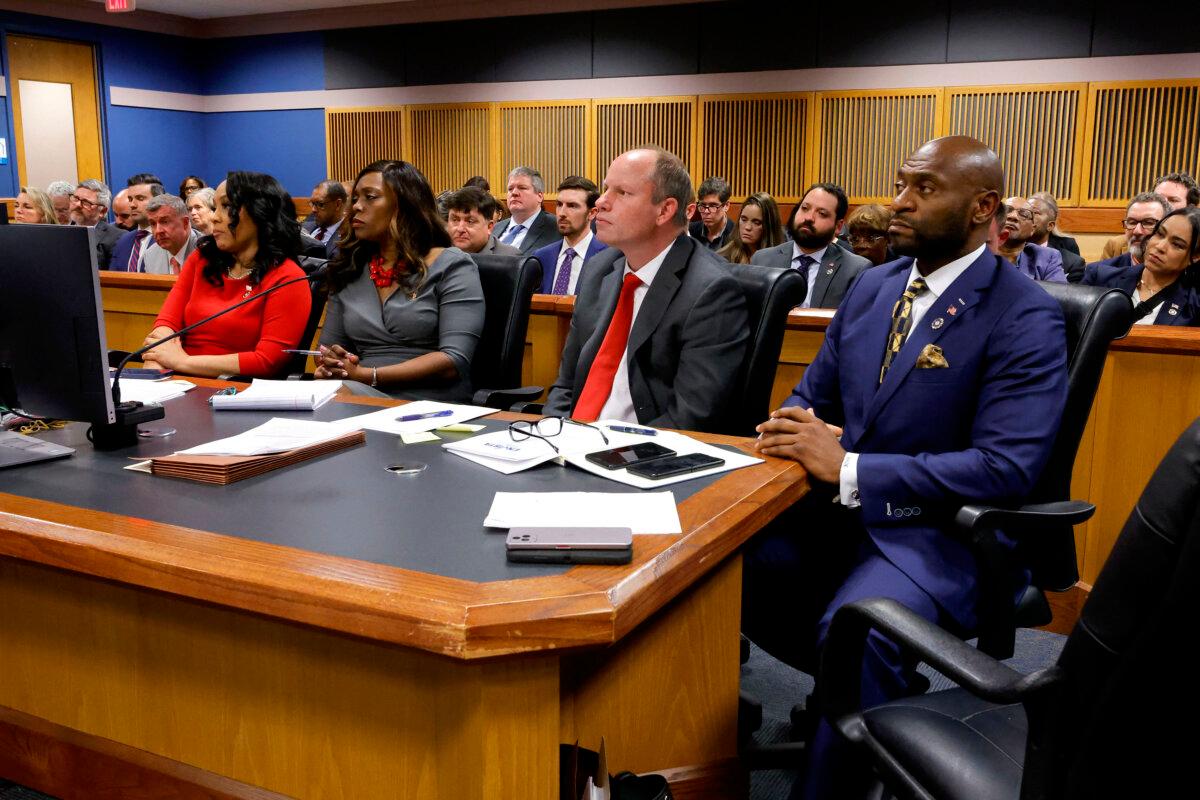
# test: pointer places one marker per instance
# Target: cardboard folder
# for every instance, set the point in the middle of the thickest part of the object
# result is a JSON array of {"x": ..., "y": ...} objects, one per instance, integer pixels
[{"x": 230, "y": 469}]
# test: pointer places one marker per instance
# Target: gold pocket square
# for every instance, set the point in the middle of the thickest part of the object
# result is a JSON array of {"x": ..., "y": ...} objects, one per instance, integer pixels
[{"x": 932, "y": 358}]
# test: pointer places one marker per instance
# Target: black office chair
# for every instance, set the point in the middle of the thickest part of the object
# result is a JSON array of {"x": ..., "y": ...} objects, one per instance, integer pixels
[
  {"x": 770, "y": 294},
  {"x": 509, "y": 283},
  {"x": 1109, "y": 719},
  {"x": 295, "y": 367}
]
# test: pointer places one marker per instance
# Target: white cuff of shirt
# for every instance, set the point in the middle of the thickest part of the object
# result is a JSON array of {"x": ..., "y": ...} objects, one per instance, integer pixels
[{"x": 848, "y": 481}]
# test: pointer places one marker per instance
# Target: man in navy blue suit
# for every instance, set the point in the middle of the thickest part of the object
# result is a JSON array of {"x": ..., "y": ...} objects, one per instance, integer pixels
[
  {"x": 562, "y": 262},
  {"x": 944, "y": 373}
]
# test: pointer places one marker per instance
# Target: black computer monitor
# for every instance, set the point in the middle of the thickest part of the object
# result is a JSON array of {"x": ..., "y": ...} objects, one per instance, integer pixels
[{"x": 53, "y": 354}]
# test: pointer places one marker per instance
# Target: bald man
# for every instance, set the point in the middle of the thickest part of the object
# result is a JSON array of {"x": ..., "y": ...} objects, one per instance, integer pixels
[{"x": 946, "y": 373}]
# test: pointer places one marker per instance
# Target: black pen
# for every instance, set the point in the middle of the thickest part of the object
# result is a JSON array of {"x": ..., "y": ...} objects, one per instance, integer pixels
[{"x": 627, "y": 429}]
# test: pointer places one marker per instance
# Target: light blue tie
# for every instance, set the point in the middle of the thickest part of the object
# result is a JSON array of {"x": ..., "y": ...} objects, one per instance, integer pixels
[{"x": 511, "y": 233}]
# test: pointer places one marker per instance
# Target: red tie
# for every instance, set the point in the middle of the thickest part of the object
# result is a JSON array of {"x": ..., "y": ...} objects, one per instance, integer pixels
[{"x": 599, "y": 382}]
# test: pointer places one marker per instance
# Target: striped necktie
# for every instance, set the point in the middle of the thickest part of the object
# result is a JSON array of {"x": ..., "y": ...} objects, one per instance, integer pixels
[{"x": 901, "y": 323}]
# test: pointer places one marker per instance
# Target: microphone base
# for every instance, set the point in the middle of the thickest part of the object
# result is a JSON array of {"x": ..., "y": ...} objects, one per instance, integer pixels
[{"x": 123, "y": 432}]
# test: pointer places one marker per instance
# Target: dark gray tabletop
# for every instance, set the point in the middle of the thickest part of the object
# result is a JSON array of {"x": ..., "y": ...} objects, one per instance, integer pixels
[{"x": 343, "y": 504}]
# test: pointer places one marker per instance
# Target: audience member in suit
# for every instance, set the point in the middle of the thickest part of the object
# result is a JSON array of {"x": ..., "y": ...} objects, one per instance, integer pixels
[
  {"x": 174, "y": 239},
  {"x": 1142, "y": 216},
  {"x": 563, "y": 262},
  {"x": 945, "y": 374},
  {"x": 89, "y": 206},
  {"x": 190, "y": 184},
  {"x": 714, "y": 228},
  {"x": 201, "y": 204},
  {"x": 469, "y": 213},
  {"x": 328, "y": 202},
  {"x": 60, "y": 193},
  {"x": 122, "y": 216},
  {"x": 660, "y": 329},
  {"x": 1182, "y": 191},
  {"x": 128, "y": 249},
  {"x": 758, "y": 227},
  {"x": 1163, "y": 288},
  {"x": 253, "y": 247},
  {"x": 1039, "y": 263},
  {"x": 828, "y": 270},
  {"x": 866, "y": 233},
  {"x": 528, "y": 227},
  {"x": 405, "y": 313},
  {"x": 33, "y": 207},
  {"x": 1045, "y": 214}
]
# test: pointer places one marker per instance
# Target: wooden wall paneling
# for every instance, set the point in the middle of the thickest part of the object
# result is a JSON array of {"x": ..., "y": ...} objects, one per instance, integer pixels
[
  {"x": 550, "y": 136},
  {"x": 624, "y": 123},
  {"x": 354, "y": 137},
  {"x": 451, "y": 142},
  {"x": 756, "y": 141}
]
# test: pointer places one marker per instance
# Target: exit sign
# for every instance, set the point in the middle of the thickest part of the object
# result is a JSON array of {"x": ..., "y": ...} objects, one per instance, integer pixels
[{"x": 119, "y": 6}]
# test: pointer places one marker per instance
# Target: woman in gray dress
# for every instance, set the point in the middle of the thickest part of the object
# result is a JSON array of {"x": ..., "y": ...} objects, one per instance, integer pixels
[{"x": 405, "y": 308}]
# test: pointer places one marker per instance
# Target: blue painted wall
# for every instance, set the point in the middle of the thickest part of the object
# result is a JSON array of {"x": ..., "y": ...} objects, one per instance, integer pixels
[{"x": 287, "y": 144}]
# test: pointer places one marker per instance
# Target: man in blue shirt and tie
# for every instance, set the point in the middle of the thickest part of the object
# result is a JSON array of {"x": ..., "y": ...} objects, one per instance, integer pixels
[
  {"x": 529, "y": 227},
  {"x": 562, "y": 262}
]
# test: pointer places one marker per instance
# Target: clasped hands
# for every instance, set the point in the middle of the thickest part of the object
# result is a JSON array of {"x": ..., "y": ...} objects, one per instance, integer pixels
[
  {"x": 337, "y": 363},
  {"x": 168, "y": 355},
  {"x": 797, "y": 434}
]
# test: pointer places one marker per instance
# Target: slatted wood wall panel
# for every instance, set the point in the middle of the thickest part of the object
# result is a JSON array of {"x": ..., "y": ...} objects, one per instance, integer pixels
[
  {"x": 354, "y": 137},
  {"x": 864, "y": 135},
  {"x": 621, "y": 125},
  {"x": 1037, "y": 131},
  {"x": 550, "y": 137},
  {"x": 756, "y": 142},
  {"x": 450, "y": 143},
  {"x": 1137, "y": 132}
]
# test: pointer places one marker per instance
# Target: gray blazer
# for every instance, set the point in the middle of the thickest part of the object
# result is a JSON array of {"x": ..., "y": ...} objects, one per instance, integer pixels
[
  {"x": 687, "y": 345},
  {"x": 106, "y": 239},
  {"x": 543, "y": 229},
  {"x": 156, "y": 261},
  {"x": 495, "y": 248},
  {"x": 445, "y": 316},
  {"x": 838, "y": 270}
]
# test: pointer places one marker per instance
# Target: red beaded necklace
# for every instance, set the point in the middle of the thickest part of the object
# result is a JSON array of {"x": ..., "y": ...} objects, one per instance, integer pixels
[{"x": 379, "y": 276}]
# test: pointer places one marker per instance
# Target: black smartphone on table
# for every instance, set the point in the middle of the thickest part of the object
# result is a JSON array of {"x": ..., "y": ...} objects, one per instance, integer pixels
[
  {"x": 679, "y": 465},
  {"x": 629, "y": 455},
  {"x": 570, "y": 545}
]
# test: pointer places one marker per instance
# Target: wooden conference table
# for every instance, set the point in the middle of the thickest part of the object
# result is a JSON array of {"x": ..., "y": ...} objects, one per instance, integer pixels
[{"x": 335, "y": 631}]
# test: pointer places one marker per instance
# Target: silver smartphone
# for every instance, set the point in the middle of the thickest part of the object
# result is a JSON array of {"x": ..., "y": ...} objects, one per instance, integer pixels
[{"x": 570, "y": 545}]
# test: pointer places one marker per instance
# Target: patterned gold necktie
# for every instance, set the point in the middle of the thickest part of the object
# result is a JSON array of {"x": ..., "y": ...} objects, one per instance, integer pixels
[{"x": 901, "y": 323}]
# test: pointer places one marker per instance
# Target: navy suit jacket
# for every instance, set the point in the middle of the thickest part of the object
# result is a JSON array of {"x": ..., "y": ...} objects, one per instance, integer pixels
[
  {"x": 1089, "y": 272},
  {"x": 1180, "y": 307},
  {"x": 930, "y": 440},
  {"x": 543, "y": 230},
  {"x": 548, "y": 256},
  {"x": 122, "y": 250}
]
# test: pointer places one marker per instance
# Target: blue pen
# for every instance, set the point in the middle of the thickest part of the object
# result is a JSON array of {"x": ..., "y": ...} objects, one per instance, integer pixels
[
  {"x": 426, "y": 415},
  {"x": 627, "y": 429}
]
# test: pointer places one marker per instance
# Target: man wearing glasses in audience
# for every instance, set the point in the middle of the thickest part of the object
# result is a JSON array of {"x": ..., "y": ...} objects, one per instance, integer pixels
[
  {"x": 1141, "y": 215},
  {"x": 1179, "y": 189},
  {"x": 714, "y": 227},
  {"x": 1039, "y": 263},
  {"x": 89, "y": 206}
]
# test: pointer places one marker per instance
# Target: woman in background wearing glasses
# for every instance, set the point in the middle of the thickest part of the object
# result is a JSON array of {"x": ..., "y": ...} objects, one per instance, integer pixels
[
  {"x": 867, "y": 233},
  {"x": 757, "y": 227},
  {"x": 405, "y": 308}
]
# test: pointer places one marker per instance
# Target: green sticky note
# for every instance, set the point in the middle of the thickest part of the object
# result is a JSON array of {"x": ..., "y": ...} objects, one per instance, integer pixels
[
  {"x": 417, "y": 438},
  {"x": 461, "y": 427}
]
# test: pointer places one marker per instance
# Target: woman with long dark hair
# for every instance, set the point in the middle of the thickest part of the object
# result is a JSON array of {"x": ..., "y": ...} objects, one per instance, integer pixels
[
  {"x": 758, "y": 226},
  {"x": 405, "y": 308},
  {"x": 1164, "y": 286},
  {"x": 252, "y": 247}
]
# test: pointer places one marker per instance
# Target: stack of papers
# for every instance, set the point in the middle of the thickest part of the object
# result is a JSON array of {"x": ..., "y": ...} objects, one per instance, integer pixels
[
  {"x": 641, "y": 513},
  {"x": 387, "y": 420},
  {"x": 266, "y": 395},
  {"x": 277, "y": 435},
  {"x": 153, "y": 391}
]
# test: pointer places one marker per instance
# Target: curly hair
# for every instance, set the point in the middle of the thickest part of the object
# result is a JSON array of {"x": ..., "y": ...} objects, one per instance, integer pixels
[
  {"x": 261, "y": 198},
  {"x": 416, "y": 228}
]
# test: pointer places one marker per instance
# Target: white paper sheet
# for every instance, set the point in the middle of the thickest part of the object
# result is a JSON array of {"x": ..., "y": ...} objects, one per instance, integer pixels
[
  {"x": 264, "y": 395},
  {"x": 153, "y": 391},
  {"x": 385, "y": 419},
  {"x": 499, "y": 451},
  {"x": 682, "y": 445},
  {"x": 643, "y": 513},
  {"x": 276, "y": 435}
]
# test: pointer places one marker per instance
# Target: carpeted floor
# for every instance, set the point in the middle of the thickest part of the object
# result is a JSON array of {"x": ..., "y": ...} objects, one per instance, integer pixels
[{"x": 779, "y": 687}]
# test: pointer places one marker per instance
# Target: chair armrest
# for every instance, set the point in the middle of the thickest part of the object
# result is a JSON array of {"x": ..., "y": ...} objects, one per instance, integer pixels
[
  {"x": 115, "y": 357},
  {"x": 842, "y": 658},
  {"x": 527, "y": 408},
  {"x": 1039, "y": 515},
  {"x": 503, "y": 398}
]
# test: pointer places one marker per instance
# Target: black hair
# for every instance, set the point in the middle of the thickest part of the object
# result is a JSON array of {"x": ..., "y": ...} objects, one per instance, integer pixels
[
  {"x": 264, "y": 201},
  {"x": 468, "y": 199},
  {"x": 479, "y": 182},
  {"x": 714, "y": 185},
  {"x": 586, "y": 186},
  {"x": 143, "y": 177},
  {"x": 842, "y": 203},
  {"x": 415, "y": 227},
  {"x": 1191, "y": 273},
  {"x": 183, "y": 183},
  {"x": 334, "y": 190},
  {"x": 1186, "y": 181}
]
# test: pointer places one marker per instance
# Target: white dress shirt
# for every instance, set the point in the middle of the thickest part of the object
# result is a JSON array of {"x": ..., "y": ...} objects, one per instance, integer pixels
[
  {"x": 1149, "y": 318},
  {"x": 620, "y": 401},
  {"x": 936, "y": 283},
  {"x": 814, "y": 269},
  {"x": 330, "y": 232},
  {"x": 577, "y": 262}
]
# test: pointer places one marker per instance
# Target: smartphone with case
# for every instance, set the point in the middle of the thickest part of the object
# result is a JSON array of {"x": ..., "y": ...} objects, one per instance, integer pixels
[
  {"x": 629, "y": 455},
  {"x": 570, "y": 545},
  {"x": 679, "y": 465}
]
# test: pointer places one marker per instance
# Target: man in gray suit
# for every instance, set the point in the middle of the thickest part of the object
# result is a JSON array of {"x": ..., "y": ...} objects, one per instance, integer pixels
[
  {"x": 469, "y": 220},
  {"x": 660, "y": 329},
  {"x": 530, "y": 227},
  {"x": 828, "y": 270},
  {"x": 174, "y": 237}
]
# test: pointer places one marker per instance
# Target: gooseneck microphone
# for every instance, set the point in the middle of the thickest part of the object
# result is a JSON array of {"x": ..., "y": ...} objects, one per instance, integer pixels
[{"x": 129, "y": 415}]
